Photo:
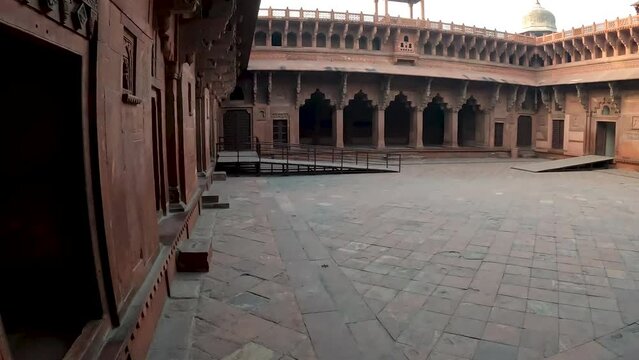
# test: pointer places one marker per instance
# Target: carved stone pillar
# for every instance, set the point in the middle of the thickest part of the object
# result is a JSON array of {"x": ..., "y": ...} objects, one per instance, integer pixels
[
  {"x": 416, "y": 128},
  {"x": 490, "y": 127},
  {"x": 172, "y": 159},
  {"x": 451, "y": 127},
  {"x": 294, "y": 127},
  {"x": 338, "y": 127},
  {"x": 378, "y": 129}
]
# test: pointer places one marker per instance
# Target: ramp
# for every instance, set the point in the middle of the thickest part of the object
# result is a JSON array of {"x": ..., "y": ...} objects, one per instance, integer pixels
[
  {"x": 581, "y": 162},
  {"x": 288, "y": 159}
]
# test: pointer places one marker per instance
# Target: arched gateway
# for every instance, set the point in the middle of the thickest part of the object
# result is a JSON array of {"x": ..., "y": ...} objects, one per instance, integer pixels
[
  {"x": 397, "y": 127},
  {"x": 316, "y": 120},
  {"x": 434, "y": 117},
  {"x": 358, "y": 121}
]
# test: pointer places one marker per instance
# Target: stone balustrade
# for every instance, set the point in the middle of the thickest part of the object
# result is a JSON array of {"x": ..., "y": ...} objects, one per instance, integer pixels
[{"x": 359, "y": 31}]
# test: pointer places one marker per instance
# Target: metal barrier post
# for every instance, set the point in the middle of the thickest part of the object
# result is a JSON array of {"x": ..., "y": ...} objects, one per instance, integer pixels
[
  {"x": 400, "y": 162},
  {"x": 315, "y": 159},
  {"x": 366, "y": 160}
]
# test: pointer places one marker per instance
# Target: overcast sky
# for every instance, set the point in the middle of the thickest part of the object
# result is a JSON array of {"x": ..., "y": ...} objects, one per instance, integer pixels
[{"x": 503, "y": 15}]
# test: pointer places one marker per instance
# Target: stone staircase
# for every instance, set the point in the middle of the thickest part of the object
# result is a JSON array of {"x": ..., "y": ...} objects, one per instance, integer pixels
[{"x": 194, "y": 254}]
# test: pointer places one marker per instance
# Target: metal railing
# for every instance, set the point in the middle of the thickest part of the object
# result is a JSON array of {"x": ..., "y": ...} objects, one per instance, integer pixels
[{"x": 299, "y": 158}]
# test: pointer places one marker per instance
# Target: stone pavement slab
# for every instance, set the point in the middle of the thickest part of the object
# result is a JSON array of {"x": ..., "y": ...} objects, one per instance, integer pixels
[{"x": 443, "y": 261}]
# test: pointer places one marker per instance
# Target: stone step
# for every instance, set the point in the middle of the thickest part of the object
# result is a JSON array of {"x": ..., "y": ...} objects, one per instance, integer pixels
[
  {"x": 193, "y": 255},
  {"x": 219, "y": 176},
  {"x": 215, "y": 201}
]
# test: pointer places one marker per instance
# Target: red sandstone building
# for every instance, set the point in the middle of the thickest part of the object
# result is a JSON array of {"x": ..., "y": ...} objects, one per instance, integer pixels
[
  {"x": 113, "y": 106},
  {"x": 352, "y": 79},
  {"x": 113, "y": 109}
]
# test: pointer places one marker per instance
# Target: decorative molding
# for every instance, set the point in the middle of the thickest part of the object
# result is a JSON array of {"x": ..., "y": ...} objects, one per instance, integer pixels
[
  {"x": 48, "y": 5},
  {"x": 635, "y": 123}
]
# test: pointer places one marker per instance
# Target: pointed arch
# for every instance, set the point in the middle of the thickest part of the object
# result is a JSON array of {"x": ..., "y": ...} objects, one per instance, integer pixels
[
  {"x": 320, "y": 41},
  {"x": 316, "y": 120},
  {"x": 276, "y": 39},
  {"x": 434, "y": 118},
  {"x": 468, "y": 119},
  {"x": 260, "y": 39},
  {"x": 397, "y": 121},
  {"x": 358, "y": 120}
]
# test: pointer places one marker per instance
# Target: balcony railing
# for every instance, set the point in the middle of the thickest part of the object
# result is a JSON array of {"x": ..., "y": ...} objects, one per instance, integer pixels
[{"x": 319, "y": 15}]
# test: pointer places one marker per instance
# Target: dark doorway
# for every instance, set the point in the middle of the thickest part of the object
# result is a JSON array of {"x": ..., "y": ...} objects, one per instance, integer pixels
[
  {"x": 467, "y": 126},
  {"x": 276, "y": 39},
  {"x": 237, "y": 130},
  {"x": 316, "y": 120},
  {"x": 606, "y": 134},
  {"x": 280, "y": 132},
  {"x": 397, "y": 121},
  {"x": 558, "y": 134},
  {"x": 158, "y": 153},
  {"x": 524, "y": 132},
  {"x": 358, "y": 121},
  {"x": 434, "y": 118},
  {"x": 47, "y": 267},
  {"x": 499, "y": 134}
]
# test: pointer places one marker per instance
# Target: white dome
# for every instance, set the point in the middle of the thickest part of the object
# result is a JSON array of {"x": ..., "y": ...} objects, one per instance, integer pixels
[{"x": 539, "y": 21}]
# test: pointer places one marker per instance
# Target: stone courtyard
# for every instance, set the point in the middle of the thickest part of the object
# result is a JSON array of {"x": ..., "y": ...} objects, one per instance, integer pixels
[{"x": 457, "y": 260}]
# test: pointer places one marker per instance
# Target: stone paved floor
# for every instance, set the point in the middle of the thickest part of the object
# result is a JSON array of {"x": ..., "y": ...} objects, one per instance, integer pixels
[{"x": 444, "y": 261}]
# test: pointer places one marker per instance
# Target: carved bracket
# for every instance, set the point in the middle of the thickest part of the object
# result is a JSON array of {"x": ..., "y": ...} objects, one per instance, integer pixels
[
  {"x": 343, "y": 94},
  {"x": 512, "y": 99},
  {"x": 559, "y": 97},
  {"x": 495, "y": 98},
  {"x": 298, "y": 91},
  {"x": 255, "y": 79},
  {"x": 545, "y": 98},
  {"x": 386, "y": 92},
  {"x": 521, "y": 97},
  {"x": 426, "y": 94},
  {"x": 463, "y": 93},
  {"x": 269, "y": 90},
  {"x": 582, "y": 95}
]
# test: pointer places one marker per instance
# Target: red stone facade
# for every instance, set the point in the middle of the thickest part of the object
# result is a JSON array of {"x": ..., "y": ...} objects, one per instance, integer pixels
[
  {"x": 565, "y": 85},
  {"x": 129, "y": 132}
]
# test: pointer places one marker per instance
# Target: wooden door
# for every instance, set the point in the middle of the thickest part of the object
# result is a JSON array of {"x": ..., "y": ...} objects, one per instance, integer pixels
[
  {"x": 558, "y": 134},
  {"x": 499, "y": 134},
  {"x": 280, "y": 132}
]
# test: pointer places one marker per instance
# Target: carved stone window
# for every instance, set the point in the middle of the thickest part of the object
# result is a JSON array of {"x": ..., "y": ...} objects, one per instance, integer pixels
[{"x": 128, "y": 63}]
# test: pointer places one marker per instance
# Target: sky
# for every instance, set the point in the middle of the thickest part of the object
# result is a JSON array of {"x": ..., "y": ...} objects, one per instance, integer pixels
[{"x": 503, "y": 15}]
